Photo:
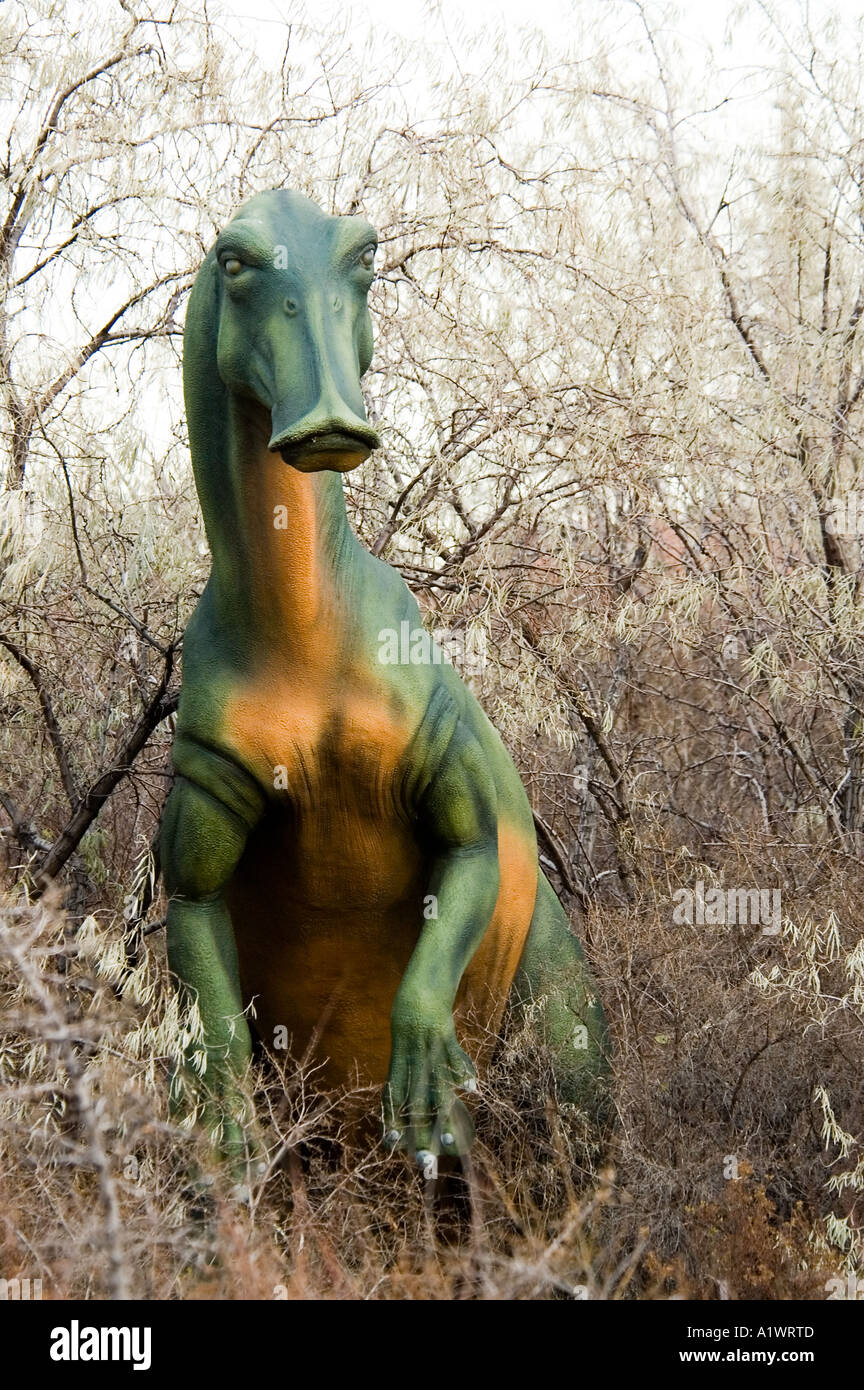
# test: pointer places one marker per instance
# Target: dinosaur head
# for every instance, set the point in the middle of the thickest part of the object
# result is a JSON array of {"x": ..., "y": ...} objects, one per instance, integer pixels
[{"x": 294, "y": 331}]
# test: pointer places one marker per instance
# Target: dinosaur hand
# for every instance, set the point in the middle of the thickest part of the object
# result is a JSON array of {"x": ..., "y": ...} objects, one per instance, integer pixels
[{"x": 422, "y": 1114}]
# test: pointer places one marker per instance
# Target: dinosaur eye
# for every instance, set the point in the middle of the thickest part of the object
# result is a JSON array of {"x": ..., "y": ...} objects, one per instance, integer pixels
[
  {"x": 367, "y": 257},
  {"x": 231, "y": 265}
]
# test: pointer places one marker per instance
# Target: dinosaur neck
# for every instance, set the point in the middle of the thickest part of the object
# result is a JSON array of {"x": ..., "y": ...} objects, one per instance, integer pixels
[{"x": 278, "y": 538}]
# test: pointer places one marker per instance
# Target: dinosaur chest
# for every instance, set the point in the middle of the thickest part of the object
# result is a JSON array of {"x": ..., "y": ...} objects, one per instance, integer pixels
[
  {"x": 336, "y": 833},
  {"x": 329, "y": 745}
]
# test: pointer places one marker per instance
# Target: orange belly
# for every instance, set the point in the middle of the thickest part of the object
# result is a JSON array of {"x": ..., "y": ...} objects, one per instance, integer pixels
[
  {"x": 325, "y": 926},
  {"x": 326, "y": 922}
]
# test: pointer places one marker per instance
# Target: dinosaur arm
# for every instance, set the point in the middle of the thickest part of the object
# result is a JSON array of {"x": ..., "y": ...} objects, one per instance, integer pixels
[
  {"x": 458, "y": 815},
  {"x": 204, "y": 832}
]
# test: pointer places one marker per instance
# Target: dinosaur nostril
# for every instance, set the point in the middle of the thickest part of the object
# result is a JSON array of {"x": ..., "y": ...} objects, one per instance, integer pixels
[
  {"x": 337, "y": 303},
  {"x": 290, "y": 306}
]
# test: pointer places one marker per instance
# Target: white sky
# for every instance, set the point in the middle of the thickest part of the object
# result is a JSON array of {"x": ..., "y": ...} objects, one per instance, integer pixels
[
  {"x": 719, "y": 22},
  {"x": 737, "y": 33},
  {"x": 412, "y": 19}
]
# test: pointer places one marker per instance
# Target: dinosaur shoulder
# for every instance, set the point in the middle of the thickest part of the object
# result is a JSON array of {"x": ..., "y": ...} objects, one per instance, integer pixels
[
  {"x": 441, "y": 730},
  {"x": 212, "y": 768},
  {"x": 203, "y": 751}
]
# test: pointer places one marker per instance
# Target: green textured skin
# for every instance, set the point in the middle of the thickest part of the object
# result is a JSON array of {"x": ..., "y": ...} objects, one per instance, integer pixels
[{"x": 274, "y": 352}]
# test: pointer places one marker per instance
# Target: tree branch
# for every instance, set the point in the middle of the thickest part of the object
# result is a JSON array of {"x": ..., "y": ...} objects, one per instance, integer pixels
[
  {"x": 48, "y": 715},
  {"x": 158, "y": 708}
]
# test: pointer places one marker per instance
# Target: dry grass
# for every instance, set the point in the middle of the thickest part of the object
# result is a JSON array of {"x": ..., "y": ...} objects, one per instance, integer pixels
[{"x": 720, "y": 1055}]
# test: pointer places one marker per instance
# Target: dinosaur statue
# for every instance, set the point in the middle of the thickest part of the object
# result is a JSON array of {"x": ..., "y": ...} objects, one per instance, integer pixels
[{"x": 347, "y": 842}]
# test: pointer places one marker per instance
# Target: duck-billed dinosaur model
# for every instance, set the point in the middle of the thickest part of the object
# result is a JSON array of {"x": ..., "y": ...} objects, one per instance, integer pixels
[{"x": 347, "y": 842}]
